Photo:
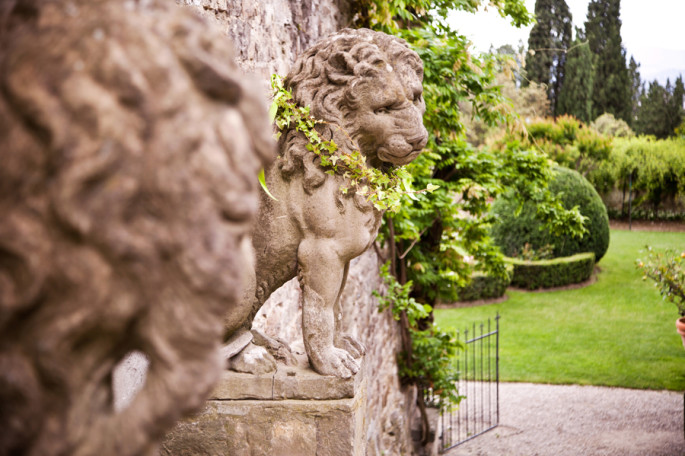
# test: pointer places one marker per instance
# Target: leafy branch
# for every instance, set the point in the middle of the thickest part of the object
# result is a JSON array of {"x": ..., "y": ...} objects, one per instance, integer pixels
[
  {"x": 667, "y": 270},
  {"x": 429, "y": 354}
]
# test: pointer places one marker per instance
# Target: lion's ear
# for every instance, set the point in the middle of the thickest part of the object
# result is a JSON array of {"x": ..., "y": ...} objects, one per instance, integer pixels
[
  {"x": 340, "y": 67},
  {"x": 342, "y": 62}
]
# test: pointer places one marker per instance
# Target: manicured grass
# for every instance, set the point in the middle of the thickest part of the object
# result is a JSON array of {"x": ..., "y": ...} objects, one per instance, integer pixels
[{"x": 615, "y": 332}]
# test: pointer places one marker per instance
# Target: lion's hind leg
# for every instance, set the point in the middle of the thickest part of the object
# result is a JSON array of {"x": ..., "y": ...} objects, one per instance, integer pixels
[
  {"x": 345, "y": 341},
  {"x": 322, "y": 274}
]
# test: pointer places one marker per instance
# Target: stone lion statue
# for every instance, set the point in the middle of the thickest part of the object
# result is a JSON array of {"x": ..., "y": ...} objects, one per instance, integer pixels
[
  {"x": 366, "y": 86},
  {"x": 130, "y": 147}
]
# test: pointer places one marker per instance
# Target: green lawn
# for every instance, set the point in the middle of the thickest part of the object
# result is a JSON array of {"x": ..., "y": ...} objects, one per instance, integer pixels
[{"x": 615, "y": 332}]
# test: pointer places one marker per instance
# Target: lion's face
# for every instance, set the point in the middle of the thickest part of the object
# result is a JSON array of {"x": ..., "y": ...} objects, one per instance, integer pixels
[{"x": 388, "y": 116}]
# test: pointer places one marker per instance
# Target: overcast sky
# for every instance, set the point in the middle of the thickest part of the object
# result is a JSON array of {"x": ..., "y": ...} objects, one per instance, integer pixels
[{"x": 653, "y": 32}]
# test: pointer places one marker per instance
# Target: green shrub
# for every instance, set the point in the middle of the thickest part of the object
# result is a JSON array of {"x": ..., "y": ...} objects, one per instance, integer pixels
[
  {"x": 609, "y": 125},
  {"x": 569, "y": 142},
  {"x": 552, "y": 273},
  {"x": 483, "y": 286},
  {"x": 512, "y": 231},
  {"x": 657, "y": 167}
]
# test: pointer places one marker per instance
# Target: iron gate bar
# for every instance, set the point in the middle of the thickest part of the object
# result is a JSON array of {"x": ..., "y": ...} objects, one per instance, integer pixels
[{"x": 474, "y": 417}]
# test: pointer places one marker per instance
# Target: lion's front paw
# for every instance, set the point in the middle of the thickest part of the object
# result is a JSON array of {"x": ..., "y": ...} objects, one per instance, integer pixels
[
  {"x": 351, "y": 345},
  {"x": 253, "y": 359},
  {"x": 335, "y": 361}
]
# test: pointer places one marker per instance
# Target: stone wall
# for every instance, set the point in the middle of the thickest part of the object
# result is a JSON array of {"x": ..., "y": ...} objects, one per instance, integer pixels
[{"x": 268, "y": 35}]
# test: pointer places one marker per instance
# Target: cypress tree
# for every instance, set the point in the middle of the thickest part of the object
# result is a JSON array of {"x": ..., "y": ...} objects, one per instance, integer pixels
[
  {"x": 635, "y": 88},
  {"x": 611, "y": 83},
  {"x": 676, "y": 112},
  {"x": 547, "y": 43},
  {"x": 575, "y": 97}
]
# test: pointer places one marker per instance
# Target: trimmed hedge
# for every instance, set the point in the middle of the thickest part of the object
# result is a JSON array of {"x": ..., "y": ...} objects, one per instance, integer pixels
[
  {"x": 483, "y": 286},
  {"x": 552, "y": 273},
  {"x": 511, "y": 232}
]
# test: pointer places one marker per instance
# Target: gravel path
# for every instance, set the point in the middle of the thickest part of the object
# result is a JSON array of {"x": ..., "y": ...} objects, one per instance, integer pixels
[{"x": 553, "y": 420}]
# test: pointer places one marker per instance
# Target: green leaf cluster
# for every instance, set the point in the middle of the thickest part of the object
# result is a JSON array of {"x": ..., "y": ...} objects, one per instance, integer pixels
[
  {"x": 570, "y": 143},
  {"x": 611, "y": 157},
  {"x": 667, "y": 270},
  {"x": 431, "y": 361},
  {"x": 443, "y": 236},
  {"x": 608, "y": 125},
  {"x": 654, "y": 168}
]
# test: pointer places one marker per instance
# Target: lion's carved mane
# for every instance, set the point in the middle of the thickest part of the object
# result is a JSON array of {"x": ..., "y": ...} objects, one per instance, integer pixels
[{"x": 129, "y": 145}]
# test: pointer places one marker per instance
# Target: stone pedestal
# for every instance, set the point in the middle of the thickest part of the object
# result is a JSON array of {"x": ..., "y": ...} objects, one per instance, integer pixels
[{"x": 292, "y": 412}]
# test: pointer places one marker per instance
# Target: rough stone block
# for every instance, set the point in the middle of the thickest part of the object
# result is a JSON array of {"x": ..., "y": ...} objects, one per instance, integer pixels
[{"x": 332, "y": 424}]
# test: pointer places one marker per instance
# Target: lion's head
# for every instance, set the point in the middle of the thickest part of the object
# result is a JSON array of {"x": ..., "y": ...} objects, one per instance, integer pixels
[{"x": 369, "y": 84}]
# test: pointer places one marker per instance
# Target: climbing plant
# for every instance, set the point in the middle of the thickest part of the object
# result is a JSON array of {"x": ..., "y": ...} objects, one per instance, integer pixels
[{"x": 441, "y": 237}]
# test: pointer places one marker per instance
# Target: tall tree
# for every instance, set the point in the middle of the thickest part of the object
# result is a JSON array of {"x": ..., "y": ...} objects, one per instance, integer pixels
[
  {"x": 635, "y": 88},
  {"x": 652, "y": 116},
  {"x": 575, "y": 97},
  {"x": 611, "y": 83},
  {"x": 676, "y": 111},
  {"x": 661, "y": 109},
  {"x": 547, "y": 43}
]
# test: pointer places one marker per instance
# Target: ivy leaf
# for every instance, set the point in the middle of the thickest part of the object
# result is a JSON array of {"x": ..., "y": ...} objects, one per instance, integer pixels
[
  {"x": 262, "y": 182},
  {"x": 273, "y": 109}
]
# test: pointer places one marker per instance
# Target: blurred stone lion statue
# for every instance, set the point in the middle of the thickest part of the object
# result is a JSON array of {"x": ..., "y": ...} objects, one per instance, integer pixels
[
  {"x": 367, "y": 88},
  {"x": 129, "y": 150}
]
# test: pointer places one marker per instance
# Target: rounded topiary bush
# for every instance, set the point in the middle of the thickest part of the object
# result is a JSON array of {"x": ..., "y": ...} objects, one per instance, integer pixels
[{"x": 512, "y": 232}]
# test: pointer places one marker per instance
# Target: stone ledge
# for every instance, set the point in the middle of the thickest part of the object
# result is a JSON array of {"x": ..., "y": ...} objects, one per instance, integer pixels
[
  {"x": 288, "y": 382},
  {"x": 277, "y": 427}
]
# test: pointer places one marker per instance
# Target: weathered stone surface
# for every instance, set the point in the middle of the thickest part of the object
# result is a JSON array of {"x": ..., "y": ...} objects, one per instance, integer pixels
[
  {"x": 236, "y": 344},
  {"x": 287, "y": 382},
  {"x": 331, "y": 426},
  {"x": 128, "y": 379},
  {"x": 269, "y": 34},
  {"x": 366, "y": 88},
  {"x": 129, "y": 146}
]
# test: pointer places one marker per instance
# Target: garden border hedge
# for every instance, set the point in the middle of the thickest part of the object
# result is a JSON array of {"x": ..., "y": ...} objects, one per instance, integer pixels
[
  {"x": 483, "y": 286},
  {"x": 556, "y": 272}
]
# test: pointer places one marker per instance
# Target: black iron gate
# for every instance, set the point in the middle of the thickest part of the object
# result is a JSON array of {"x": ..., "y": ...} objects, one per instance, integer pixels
[{"x": 478, "y": 411}]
